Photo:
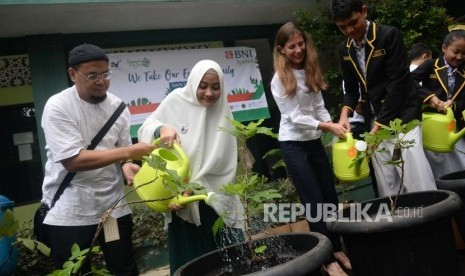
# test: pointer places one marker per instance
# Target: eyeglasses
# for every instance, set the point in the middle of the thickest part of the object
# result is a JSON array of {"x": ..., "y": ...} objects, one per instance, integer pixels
[{"x": 104, "y": 76}]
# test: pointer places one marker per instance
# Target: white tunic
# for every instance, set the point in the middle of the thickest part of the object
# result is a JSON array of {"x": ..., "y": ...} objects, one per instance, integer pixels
[{"x": 69, "y": 125}]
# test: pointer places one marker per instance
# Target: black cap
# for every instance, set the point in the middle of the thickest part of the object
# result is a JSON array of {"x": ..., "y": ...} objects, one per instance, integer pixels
[{"x": 84, "y": 53}]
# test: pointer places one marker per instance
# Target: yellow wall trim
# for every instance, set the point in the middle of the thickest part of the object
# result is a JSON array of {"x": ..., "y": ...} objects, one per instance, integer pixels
[{"x": 16, "y": 95}]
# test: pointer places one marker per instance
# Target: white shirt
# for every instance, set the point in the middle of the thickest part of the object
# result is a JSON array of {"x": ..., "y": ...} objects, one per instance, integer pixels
[
  {"x": 413, "y": 67},
  {"x": 70, "y": 124},
  {"x": 301, "y": 114},
  {"x": 357, "y": 118},
  {"x": 450, "y": 79}
]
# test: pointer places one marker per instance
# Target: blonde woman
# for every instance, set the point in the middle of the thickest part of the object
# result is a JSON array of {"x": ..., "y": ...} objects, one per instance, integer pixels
[{"x": 296, "y": 88}]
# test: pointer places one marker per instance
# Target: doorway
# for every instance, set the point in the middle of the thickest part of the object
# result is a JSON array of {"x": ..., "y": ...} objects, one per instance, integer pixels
[{"x": 20, "y": 162}]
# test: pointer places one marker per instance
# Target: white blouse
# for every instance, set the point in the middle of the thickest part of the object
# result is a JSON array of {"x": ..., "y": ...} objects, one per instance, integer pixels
[{"x": 301, "y": 114}]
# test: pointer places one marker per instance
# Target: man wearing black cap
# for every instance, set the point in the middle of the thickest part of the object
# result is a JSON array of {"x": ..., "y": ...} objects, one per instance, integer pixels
[{"x": 70, "y": 121}]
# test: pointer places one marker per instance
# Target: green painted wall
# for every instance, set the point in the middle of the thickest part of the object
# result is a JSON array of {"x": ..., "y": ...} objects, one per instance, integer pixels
[
  {"x": 48, "y": 73},
  {"x": 48, "y": 53}
]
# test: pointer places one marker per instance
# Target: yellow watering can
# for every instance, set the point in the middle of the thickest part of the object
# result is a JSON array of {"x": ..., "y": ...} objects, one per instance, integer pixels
[
  {"x": 344, "y": 151},
  {"x": 438, "y": 130},
  {"x": 160, "y": 192}
]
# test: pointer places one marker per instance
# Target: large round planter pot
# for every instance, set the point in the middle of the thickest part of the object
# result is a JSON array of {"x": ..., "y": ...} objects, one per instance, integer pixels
[
  {"x": 417, "y": 239},
  {"x": 455, "y": 182},
  {"x": 309, "y": 252}
]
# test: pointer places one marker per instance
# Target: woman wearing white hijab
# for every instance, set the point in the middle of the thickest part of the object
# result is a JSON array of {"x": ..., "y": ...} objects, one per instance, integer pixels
[{"x": 191, "y": 116}]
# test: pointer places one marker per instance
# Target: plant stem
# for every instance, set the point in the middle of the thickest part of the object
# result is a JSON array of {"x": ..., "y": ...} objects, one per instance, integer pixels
[{"x": 401, "y": 187}]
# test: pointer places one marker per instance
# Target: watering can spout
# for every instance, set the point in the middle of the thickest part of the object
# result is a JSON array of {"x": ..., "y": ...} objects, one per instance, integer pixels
[
  {"x": 184, "y": 200},
  {"x": 456, "y": 136}
]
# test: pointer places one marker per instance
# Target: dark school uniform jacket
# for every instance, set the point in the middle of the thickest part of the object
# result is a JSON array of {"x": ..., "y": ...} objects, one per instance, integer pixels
[
  {"x": 388, "y": 84},
  {"x": 433, "y": 77}
]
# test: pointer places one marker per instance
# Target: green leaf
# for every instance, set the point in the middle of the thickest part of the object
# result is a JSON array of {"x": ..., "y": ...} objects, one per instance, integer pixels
[
  {"x": 28, "y": 243},
  {"x": 9, "y": 225},
  {"x": 267, "y": 131},
  {"x": 260, "y": 249},
  {"x": 272, "y": 153},
  {"x": 102, "y": 271},
  {"x": 279, "y": 164},
  {"x": 253, "y": 125},
  {"x": 234, "y": 189},
  {"x": 217, "y": 226},
  {"x": 237, "y": 124},
  {"x": 261, "y": 196},
  {"x": 33, "y": 244},
  {"x": 43, "y": 248},
  {"x": 75, "y": 251}
]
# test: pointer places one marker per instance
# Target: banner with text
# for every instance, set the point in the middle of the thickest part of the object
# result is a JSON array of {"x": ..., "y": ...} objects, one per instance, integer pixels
[{"x": 143, "y": 79}]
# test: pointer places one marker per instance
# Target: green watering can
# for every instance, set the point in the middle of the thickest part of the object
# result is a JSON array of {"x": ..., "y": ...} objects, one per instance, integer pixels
[
  {"x": 344, "y": 151},
  {"x": 438, "y": 131},
  {"x": 162, "y": 193}
]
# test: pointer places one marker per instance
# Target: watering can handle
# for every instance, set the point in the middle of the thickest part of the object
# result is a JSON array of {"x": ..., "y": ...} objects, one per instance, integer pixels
[
  {"x": 176, "y": 147},
  {"x": 449, "y": 112},
  {"x": 156, "y": 142},
  {"x": 349, "y": 137}
]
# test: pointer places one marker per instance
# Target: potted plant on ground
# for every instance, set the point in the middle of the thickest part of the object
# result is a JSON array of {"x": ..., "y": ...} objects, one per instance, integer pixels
[
  {"x": 148, "y": 231},
  {"x": 304, "y": 253},
  {"x": 287, "y": 254},
  {"x": 286, "y": 189},
  {"x": 149, "y": 238},
  {"x": 407, "y": 234}
]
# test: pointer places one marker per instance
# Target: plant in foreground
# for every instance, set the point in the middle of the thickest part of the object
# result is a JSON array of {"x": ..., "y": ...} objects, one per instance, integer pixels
[
  {"x": 93, "y": 253},
  {"x": 396, "y": 131},
  {"x": 250, "y": 187}
]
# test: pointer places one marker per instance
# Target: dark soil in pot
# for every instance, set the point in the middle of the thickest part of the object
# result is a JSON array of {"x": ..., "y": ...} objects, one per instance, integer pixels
[{"x": 288, "y": 254}]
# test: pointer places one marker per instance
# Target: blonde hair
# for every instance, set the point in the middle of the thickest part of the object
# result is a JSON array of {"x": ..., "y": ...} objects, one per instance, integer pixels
[{"x": 313, "y": 76}]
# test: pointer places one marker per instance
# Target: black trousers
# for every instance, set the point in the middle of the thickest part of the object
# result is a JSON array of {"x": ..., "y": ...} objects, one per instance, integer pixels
[
  {"x": 119, "y": 254},
  {"x": 312, "y": 176}
]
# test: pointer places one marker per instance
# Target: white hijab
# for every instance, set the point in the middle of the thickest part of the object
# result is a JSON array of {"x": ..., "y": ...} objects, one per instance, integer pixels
[{"x": 212, "y": 153}]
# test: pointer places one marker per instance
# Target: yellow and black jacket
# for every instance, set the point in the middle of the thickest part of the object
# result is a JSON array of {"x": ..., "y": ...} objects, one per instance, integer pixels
[
  {"x": 388, "y": 84},
  {"x": 432, "y": 75}
]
